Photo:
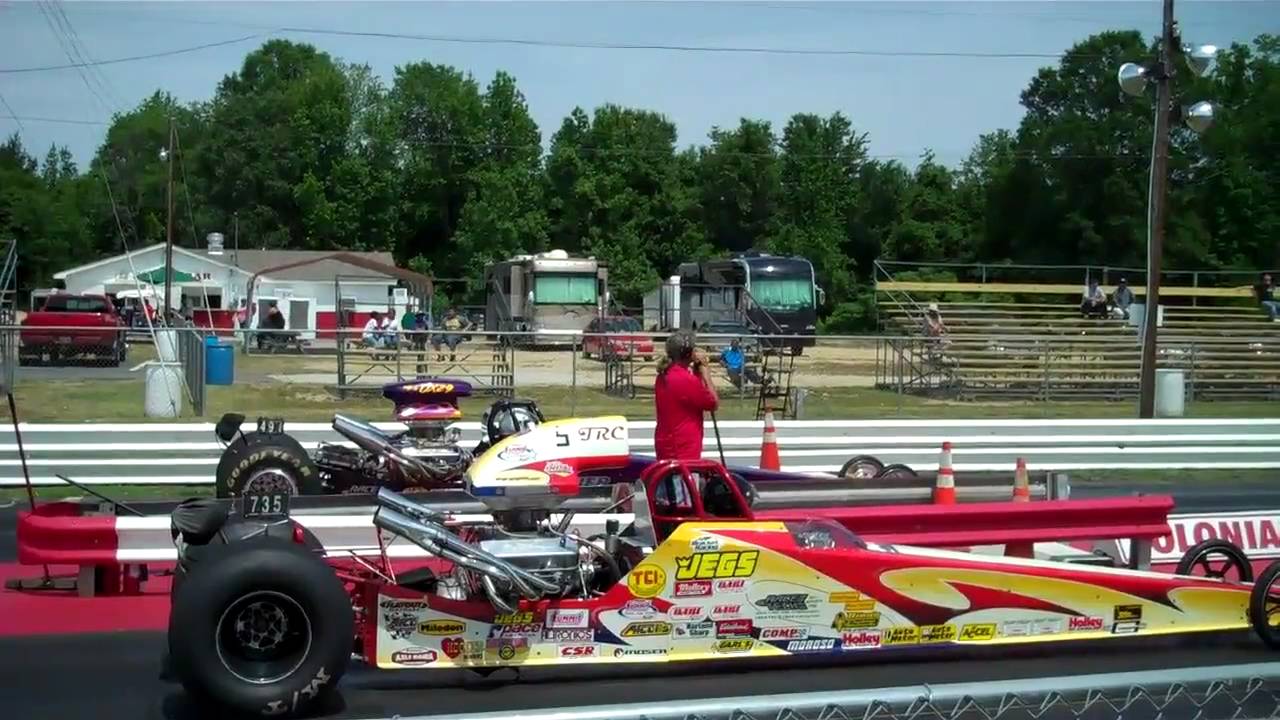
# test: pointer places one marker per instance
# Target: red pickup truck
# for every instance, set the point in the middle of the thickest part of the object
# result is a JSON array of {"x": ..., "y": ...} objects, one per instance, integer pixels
[{"x": 69, "y": 326}]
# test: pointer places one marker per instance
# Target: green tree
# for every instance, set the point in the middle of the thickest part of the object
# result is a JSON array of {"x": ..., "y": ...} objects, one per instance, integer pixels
[
  {"x": 438, "y": 115},
  {"x": 621, "y": 192},
  {"x": 740, "y": 179},
  {"x": 505, "y": 212},
  {"x": 821, "y": 159}
]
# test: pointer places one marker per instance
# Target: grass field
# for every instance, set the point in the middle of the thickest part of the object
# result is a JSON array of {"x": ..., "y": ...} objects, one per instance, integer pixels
[{"x": 121, "y": 400}]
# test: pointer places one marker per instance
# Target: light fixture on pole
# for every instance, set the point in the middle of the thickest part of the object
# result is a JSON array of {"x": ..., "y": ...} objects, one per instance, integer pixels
[{"x": 1133, "y": 80}]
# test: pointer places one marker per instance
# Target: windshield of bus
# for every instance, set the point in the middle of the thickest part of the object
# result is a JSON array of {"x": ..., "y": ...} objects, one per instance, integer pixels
[
  {"x": 783, "y": 294},
  {"x": 564, "y": 289}
]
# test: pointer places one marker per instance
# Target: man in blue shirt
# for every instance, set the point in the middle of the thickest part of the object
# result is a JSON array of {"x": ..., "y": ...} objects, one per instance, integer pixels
[{"x": 735, "y": 362}]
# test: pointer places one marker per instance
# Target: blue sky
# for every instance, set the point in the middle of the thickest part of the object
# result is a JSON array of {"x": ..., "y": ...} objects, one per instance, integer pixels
[{"x": 905, "y": 104}]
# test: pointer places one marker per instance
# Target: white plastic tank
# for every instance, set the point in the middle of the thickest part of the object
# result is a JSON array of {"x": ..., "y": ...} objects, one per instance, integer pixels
[
  {"x": 162, "y": 396},
  {"x": 166, "y": 345},
  {"x": 1171, "y": 393}
]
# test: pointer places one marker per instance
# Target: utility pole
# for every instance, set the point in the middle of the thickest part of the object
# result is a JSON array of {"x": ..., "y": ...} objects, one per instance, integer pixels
[
  {"x": 1157, "y": 202},
  {"x": 1133, "y": 79},
  {"x": 168, "y": 243}
]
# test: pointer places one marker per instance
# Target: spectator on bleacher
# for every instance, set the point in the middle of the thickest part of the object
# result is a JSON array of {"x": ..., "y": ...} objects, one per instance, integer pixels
[
  {"x": 413, "y": 323},
  {"x": 1266, "y": 297},
  {"x": 1121, "y": 299},
  {"x": 735, "y": 363},
  {"x": 933, "y": 326},
  {"x": 1094, "y": 301},
  {"x": 390, "y": 329},
  {"x": 453, "y": 326}
]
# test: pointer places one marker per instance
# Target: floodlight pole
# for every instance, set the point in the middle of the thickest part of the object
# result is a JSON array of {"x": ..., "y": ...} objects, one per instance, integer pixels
[
  {"x": 168, "y": 242},
  {"x": 1157, "y": 202}
]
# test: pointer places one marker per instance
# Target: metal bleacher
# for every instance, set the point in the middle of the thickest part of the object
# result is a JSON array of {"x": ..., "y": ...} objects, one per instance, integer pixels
[{"x": 1047, "y": 351}]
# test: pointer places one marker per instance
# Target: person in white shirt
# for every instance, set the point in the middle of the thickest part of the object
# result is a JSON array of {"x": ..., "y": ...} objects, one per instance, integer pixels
[
  {"x": 373, "y": 330},
  {"x": 1094, "y": 301}
]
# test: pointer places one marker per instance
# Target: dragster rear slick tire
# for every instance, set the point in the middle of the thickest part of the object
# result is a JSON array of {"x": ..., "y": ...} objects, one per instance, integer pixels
[
  {"x": 264, "y": 629},
  {"x": 257, "y": 452}
]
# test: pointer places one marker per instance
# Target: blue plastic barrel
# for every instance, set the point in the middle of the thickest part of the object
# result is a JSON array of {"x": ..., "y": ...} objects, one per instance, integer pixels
[{"x": 219, "y": 363}]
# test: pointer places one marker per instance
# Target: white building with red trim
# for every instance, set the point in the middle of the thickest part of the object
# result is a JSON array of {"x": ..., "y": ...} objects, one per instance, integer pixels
[{"x": 305, "y": 291}]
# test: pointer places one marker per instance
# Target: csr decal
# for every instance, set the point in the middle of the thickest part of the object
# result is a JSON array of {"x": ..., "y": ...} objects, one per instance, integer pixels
[
  {"x": 646, "y": 580},
  {"x": 578, "y": 651},
  {"x": 978, "y": 633},
  {"x": 441, "y": 627},
  {"x": 651, "y": 628},
  {"x": 713, "y": 565}
]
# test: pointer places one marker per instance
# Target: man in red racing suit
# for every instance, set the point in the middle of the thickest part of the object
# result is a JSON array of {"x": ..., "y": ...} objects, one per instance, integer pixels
[{"x": 682, "y": 392}]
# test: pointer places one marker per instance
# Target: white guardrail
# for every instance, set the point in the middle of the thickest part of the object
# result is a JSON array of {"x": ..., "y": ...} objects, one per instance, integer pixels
[{"x": 186, "y": 453}]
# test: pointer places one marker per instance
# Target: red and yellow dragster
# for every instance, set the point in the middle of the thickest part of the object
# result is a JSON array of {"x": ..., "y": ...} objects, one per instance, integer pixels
[{"x": 264, "y": 625}]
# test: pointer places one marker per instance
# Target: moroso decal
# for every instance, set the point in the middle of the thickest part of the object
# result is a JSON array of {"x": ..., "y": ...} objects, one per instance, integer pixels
[
  {"x": 720, "y": 564},
  {"x": 646, "y": 580},
  {"x": 812, "y": 645}
]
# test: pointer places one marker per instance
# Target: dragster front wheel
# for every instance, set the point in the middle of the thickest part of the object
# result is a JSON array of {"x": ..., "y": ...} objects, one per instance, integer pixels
[{"x": 1264, "y": 606}]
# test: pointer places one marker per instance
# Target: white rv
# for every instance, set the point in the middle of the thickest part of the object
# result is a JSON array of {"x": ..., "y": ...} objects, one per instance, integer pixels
[{"x": 551, "y": 295}]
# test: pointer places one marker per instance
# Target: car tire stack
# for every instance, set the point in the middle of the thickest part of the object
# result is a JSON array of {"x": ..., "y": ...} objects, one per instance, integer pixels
[{"x": 257, "y": 455}]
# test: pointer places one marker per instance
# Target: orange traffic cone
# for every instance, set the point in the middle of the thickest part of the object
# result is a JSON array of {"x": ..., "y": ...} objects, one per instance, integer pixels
[
  {"x": 769, "y": 459},
  {"x": 1021, "y": 494},
  {"x": 944, "y": 490},
  {"x": 1021, "y": 486}
]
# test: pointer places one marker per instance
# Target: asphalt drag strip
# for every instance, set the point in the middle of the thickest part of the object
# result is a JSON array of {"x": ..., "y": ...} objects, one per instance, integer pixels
[{"x": 116, "y": 677}]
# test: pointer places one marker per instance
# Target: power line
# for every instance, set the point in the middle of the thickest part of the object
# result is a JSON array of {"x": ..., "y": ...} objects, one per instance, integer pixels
[
  {"x": 12, "y": 115},
  {"x": 35, "y": 118},
  {"x": 586, "y": 45},
  {"x": 132, "y": 58}
]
